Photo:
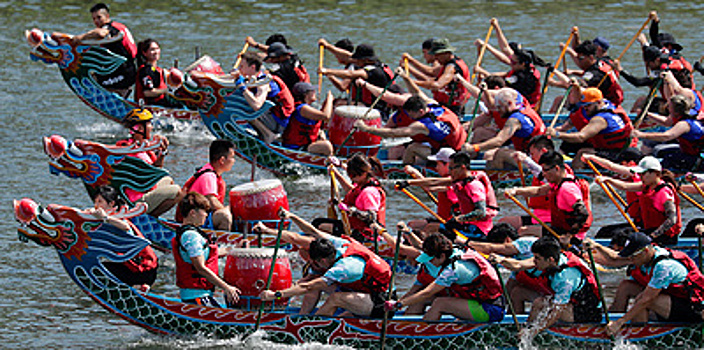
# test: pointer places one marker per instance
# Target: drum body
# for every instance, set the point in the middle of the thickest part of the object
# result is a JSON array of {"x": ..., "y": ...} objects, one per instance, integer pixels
[
  {"x": 205, "y": 64},
  {"x": 342, "y": 123},
  {"x": 257, "y": 201},
  {"x": 248, "y": 270}
]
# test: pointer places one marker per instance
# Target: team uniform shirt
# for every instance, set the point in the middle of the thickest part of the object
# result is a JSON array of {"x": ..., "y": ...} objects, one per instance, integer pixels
[
  {"x": 568, "y": 196},
  {"x": 207, "y": 183},
  {"x": 476, "y": 192},
  {"x": 665, "y": 194},
  {"x": 461, "y": 272},
  {"x": 369, "y": 199},
  {"x": 665, "y": 272},
  {"x": 195, "y": 245},
  {"x": 345, "y": 270},
  {"x": 431, "y": 269},
  {"x": 523, "y": 245},
  {"x": 566, "y": 282}
]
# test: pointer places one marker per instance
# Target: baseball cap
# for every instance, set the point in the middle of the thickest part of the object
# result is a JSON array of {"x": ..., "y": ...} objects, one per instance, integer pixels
[
  {"x": 443, "y": 155},
  {"x": 647, "y": 163},
  {"x": 635, "y": 242},
  {"x": 277, "y": 49},
  {"x": 601, "y": 41},
  {"x": 591, "y": 95},
  {"x": 301, "y": 88}
]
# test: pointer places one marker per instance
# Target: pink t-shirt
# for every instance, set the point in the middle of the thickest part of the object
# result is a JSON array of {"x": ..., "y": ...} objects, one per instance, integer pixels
[
  {"x": 662, "y": 196},
  {"x": 472, "y": 193},
  {"x": 369, "y": 199},
  {"x": 207, "y": 183},
  {"x": 568, "y": 195}
]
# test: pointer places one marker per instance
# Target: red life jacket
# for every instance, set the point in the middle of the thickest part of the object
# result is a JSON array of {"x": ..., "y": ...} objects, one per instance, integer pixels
[
  {"x": 614, "y": 93},
  {"x": 681, "y": 68},
  {"x": 456, "y": 138},
  {"x": 351, "y": 198},
  {"x": 576, "y": 262},
  {"x": 222, "y": 189},
  {"x": 560, "y": 217},
  {"x": 633, "y": 200},
  {"x": 692, "y": 288},
  {"x": 538, "y": 283},
  {"x": 534, "y": 96},
  {"x": 521, "y": 143},
  {"x": 485, "y": 287},
  {"x": 447, "y": 204},
  {"x": 467, "y": 205},
  {"x": 377, "y": 272},
  {"x": 366, "y": 96},
  {"x": 653, "y": 218},
  {"x": 501, "y": 122},
  {"x": 146, "y": 259},
  {"x": 426, "y": 279},
  {"x": 284, "y": 103},
  {"x": 160, "y": 84},
  {"x": 616, "y": 139},
  {"x": 453, "y": 94},
  {"x": 301, "y": 131},
  {"x": 126, "y": 47},
  {"x": 186, "y": 275},
  {"x": 539, "y": 202}
]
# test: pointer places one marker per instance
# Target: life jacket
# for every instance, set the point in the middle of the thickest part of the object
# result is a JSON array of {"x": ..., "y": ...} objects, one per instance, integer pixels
[
  {"x": 146, "y": 260},
  {"x": 454, "y": 93},
  {"x": 614, "y": 93},
  {"x": 425, "y": 279},
  {"x": 538, "y": 283},
  {"x": 531, "y": 125},
  {"x": 633, "y": 200},
  {"x": 466, "y": 204},
  {"x": 532, "y": 96},
  {"x": 402, "y": 119},
  {"x": 692, "y": 288},
  {"x": 681, "y": 69},
  {"x": 697, "y": 111},
  {"x": 576, "y": 262},
  {"x": 500, "y": 122},
  {"x": 283, "y": 100},
  {"x": 350, "y": 200},
  {"x": 485, "y": 287},
  {"x": 126, "y": 47},
  {"x": 447, "y": 204},
  {"x": 291, "y": 71},
  {"x": 616, "y": 135},
  {"x": 186, "y": 275},
  {"x": 377, "y": 272},
  {"x": 442, "y": 118},
  {"x": 560, "y": 218},
  {"x": 543, "y": 202},
  {"x": 160, "y": 83},
  {"x": 692, "y": 142},
  {"x": 222, "y": 189},
  {"x": 653, "y": 218},
  {"x": 380, "y": 80},
  {"x": 301, "y": 131}
]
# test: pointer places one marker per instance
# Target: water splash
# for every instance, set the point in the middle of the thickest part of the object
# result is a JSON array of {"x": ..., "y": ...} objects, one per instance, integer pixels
[{"x": 257, "y": 341}]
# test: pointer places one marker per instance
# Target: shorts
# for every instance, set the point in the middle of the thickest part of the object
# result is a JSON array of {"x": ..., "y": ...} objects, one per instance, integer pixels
[
  {"x": 487, "y": 312},
  {"x": 203, "y": 301},
  {"x": 129, "y": 277},
  {"x": 269, "y": 120},
  {"x": 587, "y": 308},
  {"x": 165, "y": 190},
  {"x": 681, "y": 310}
]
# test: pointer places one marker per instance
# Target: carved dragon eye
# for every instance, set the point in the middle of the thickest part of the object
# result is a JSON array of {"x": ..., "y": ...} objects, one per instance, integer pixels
[
  {"x": 45, "y": 215},
  {"x": 75, "y": 150}
]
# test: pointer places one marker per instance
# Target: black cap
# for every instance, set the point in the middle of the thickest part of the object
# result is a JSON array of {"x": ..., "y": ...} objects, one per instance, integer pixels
[
  {"x": 364, "y": 52},
  {"x": 277, "y": 49},
  {"x": 651, "y": 53},
  {"x": 635, "y": 242},
  {"x": 669, "y": 39}
]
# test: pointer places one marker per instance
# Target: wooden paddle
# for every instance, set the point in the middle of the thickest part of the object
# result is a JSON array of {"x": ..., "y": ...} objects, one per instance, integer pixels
[
  {"x": 320, "y": 65},
  {"x": 651, "y": 96},
  {"x": 697, "y": 187},
  {"x": 385, "y": 322},
  {"x": 626, "y": 48},
  {"x": 557, "y": 65},
  {"x": 239, "y": 57},
  {"x": 482, "y": 51},
  {"x": 405, "y": 64},
  {"x": 560, "y": 107},
  {"x": 378, "y": 98},
  {"x": 691, "y": 200},
  {"x": 598, "y": 284},
  {"x": 474, "y": 113},
  {"x": 268, "y": 280},
  {"x": 507, "y": 296},
  {"x": 334, "y": 198},
  {"x": 598, "y": 173},
  {"x": 427, "y": 191},
  {"x": 433, "y": 213},
  {"x": 613, "y": 200},
  {"x": 529, "y": 212}
]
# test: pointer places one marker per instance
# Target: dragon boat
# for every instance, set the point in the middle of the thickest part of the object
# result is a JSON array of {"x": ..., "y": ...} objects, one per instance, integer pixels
[{"x": 83, "y": 243}]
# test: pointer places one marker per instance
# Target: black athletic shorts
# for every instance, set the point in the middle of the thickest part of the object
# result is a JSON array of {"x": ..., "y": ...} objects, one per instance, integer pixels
[
  {"x": 587, "y": 308},
  {"x": 682, "y": 310}
]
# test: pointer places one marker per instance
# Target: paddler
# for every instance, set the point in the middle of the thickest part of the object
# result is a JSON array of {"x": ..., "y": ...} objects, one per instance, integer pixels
[
  {"x": 418, "y": 69},
  {"x": 303, "y": 131},
  {"x": 670, "y": 284},
  {"x": 473, "y": 286},
  {"x": 281, "y": 60},
  {"x": 593, "y": 71}
]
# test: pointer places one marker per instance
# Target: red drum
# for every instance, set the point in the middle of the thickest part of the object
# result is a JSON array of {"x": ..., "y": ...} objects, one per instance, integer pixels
[
  {"x": 248, "y": 270},
  {"x": 205, "y": 64},
  {"x": 257, "y": 201},
  {"x": 342, "y": 123}
]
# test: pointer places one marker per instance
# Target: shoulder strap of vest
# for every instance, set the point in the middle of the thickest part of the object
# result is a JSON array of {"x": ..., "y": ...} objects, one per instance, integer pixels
[{"x": 179, "y": 232}]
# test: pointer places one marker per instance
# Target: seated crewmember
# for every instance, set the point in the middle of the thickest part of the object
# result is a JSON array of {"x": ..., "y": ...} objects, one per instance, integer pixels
[
  {"x": 671, "y": 285},
  {"x": 281, "y": 60},
  {"x": 151, "y": 87},
  {"x": 196, "y": 256},
  {"x": 303, "y": 131},
  {"x": 445, "y": 88},
  {"x": 472, "y": 283}
]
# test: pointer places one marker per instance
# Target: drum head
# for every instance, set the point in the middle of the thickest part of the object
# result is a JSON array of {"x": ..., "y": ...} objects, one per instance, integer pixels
[
  {"x": 256, "y": 186},
  {"x": 257, "y": 253},
  {"x": 357, "y": 112}
]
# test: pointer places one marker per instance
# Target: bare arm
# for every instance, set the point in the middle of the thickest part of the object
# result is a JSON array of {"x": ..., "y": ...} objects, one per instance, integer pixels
[
  {"x": 512, "y": 125},
  {"x": 389, "y": 97},
  {"x": 296, "y": 289},
  {"x": 422, "y": 295},
  {"x": 670, "y": 218},
  {"x": 442, "y": 81},
  {"x": 622, "y": 185},
  {"x": 617, "y": 168},
  {"x": 345, "y": 73},
  {"x": 415, "y": 128},
  {"x": 231, "y": 292},
  {"x": 505, "y": 249},
  {"x": 595, "y": 126},
  {"x": 642, "y": 302},
  {"x": 670, "y": 134}
]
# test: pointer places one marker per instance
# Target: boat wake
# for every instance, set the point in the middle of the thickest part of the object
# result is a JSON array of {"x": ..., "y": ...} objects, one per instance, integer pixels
[{"x": 256, "y": 341}]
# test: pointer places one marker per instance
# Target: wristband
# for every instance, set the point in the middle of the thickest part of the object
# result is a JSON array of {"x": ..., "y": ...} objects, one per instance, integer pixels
[
  {"x": 476, "y": 149},
  {"x": 278, "y": 295}
]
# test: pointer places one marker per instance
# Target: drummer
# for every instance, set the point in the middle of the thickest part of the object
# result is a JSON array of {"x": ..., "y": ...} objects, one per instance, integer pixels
[
  {"x": 208, "y": 181},
  {"x": 361, "y": 277},
  {"x": 303, "y": 131}
]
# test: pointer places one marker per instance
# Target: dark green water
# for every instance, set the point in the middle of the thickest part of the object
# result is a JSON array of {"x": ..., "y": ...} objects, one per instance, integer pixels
[{"x": 40, "y": 308}]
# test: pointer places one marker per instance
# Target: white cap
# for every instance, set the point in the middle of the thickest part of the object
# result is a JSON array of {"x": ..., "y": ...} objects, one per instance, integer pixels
[
  {"x": 443, "y": 155},
  {"x": 647, "y": 163}
]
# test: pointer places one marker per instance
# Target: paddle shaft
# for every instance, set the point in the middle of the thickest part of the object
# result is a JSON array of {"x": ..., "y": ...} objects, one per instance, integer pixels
[
  {"x": 691, "y": 200},
  {"x": 598, "y": 173},
  {"x": 613, "y": 200},
  {"x": 434, "y": 214},
  {"x": 474, "y": 113},
  {"x": 549, "y": 76},
  {"x": 378, "y": 98},
  {"x": 320, "y": 75},
  {"x": 520, "y": 173},
  {"x": 633, "y": 39},
  {"x": 699, "y": 237},
  {"x": 332, "y": 213},
  {"x": 405, "y": 64},
  {"x": 482, "y": 51},
  {"x": 529, "y": 212},
  {"x": 385, "y": 322},
  {"x": 343, "y": 214},
  {"x": 598, "y": 285},
  {"x": 651, "y": 96},
  {"x": 239, "y": 57},
  {"x": 697, "y": 187},
  {"x": 560, "y": 107},
  {"x": 427, "y": 191},
  {"x": 507, "y": 296},
  {"x": 271, "y": 275}
]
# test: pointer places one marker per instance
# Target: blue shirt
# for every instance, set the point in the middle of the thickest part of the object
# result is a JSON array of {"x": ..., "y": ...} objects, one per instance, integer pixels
[
  {"x": 665, "y": 272},
  {"x": 345, "y": 270},
  {"x": 433, "y": 270},
  {"x": 195, "y": 245},
  {"x": 462, "y": 272},
  {"x": 523, "y": 245},
  {"x": 565, "y": 282}
]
